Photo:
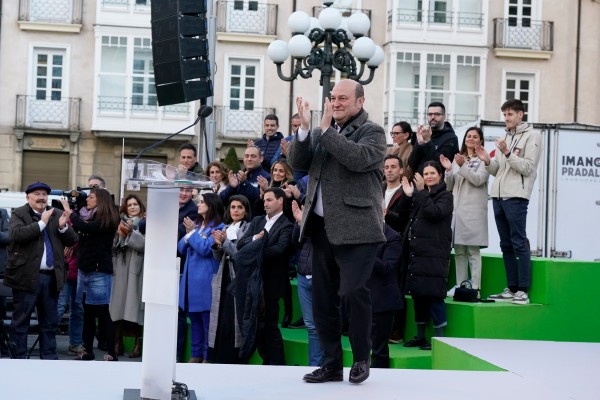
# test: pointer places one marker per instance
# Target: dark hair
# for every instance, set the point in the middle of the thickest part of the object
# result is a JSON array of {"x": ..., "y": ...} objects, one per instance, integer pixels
[
  {"x": 245, "y": 203},
  {"x": 187, "y": 146},
  {"x": 107, "y": 213},
  {"x": 295, "y": 116},
  {"x": 463, "y": 148},
  {"x": 123, "y": 209},
  {"x": 99, "y": 178},
  {"x": 278, "y": 192},
  {"x": 437, "y": 104},
  {"x": 394, "y": 157},
  {"x": 222, "y": 167},
  {"x": 406, "y": 128},
  {"x": 272, "y": 117},
  {"x": 286, "y": 168},
  {"x": 434, "y": 164},
  {"x": 214, "y": 215},
  {"x": 513, "y": 104}
]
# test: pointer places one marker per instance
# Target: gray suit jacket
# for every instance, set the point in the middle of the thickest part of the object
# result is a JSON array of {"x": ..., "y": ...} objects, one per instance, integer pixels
[{"x": 349, "y": 168}]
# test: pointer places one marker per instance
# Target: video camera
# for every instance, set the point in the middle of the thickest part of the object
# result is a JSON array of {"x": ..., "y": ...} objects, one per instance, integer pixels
[{"x": 75, "y": 198}]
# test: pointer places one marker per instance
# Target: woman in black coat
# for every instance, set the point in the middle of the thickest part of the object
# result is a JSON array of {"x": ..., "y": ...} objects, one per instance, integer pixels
[{"x": 426, "y": 249}]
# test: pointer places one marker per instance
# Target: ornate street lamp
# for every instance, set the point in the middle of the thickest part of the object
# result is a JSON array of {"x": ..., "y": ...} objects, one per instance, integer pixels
[{"x": 325, "y": 44}]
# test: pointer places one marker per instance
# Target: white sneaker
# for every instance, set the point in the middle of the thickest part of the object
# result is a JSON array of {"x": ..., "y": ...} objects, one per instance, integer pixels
[
  {"x": 451, "y": 291},
  {"x": 521, "y": 298},
  {"x": 505, "y": 296}
]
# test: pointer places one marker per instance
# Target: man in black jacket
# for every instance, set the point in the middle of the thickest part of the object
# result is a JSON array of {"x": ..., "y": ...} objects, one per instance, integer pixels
[
  {"x": 270, "y": 141},
  {"x": 36, "y": 268},
  {"x": 433, "y": 139},
  {"x": 276, "y": 229}
]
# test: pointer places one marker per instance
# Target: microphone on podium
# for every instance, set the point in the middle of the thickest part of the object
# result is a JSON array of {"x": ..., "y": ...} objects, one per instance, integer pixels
[{"x": 203, "y": 112}]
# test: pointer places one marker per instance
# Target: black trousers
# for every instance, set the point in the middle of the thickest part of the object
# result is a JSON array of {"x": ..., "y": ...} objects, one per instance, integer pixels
[
  {"x": 340, "y": 274},
  {"x": 382, "y": 327},
  {"x": 269, "y": 341}
]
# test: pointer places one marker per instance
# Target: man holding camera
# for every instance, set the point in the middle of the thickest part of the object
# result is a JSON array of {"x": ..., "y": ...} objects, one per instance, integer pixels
[{"x": 35, "y": 271}]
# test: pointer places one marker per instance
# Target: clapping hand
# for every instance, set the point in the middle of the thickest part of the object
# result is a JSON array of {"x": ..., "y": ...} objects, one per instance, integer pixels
[
  {"x": 419, "y": 181},
  {"x": 189, "y": 224},
  {"x": 297, "y": 211},
  {"x": 284, "y": 146},
  {"x": 219, "y": 236},
  {"x": 407, "y": 187},
  {"x": 303, "y": 113},
  {"x": 263, "y": 183},
  {"x": 327, "y": 115},
  {"x": 446, "y": 163},
  {"x": 250, "y": 143},
  {"x": 482, "y": 154},
  {"x": 233, "y": 180},
  {"x": 460, "y": 159}
]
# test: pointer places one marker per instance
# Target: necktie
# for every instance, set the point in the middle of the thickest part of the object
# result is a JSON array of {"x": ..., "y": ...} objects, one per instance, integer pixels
[{"x": 49, "y": 252}]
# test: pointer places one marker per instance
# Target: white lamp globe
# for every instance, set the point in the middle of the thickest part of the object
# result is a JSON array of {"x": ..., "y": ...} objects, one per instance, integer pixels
[
  {"x": 363, "y": 48},
  {"x": 377, "y": 58},
  {"x": 299, "y": 46},
  {"x": 344, "y": 26},
  {"x": 298, "y": 22},
  {"x": 314, "y": 23},
  {"x": 359, "y": 24},
  {"x": 330, "y": 18},
  {"x": 278, "y": 51}
]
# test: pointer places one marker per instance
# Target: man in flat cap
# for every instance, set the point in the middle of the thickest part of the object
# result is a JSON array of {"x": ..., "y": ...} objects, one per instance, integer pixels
[{"x": 36, "y": 270}]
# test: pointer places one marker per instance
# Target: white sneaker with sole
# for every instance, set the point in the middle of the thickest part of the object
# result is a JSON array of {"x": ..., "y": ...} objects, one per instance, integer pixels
[
  {"x": 451, "y": 291},
  {"x": 521, "y": 298},
  {"x": 506, "y": 296}
]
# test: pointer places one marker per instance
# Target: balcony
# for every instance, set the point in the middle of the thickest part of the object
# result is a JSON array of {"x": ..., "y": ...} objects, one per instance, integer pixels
[
  {"x": 246, "y": 17},
  {"x": 458, "y": 20},
  {"x": 235, "y": 123},
  {"x": 523, "y": 38},
  {"x": 346, "y": 13},
  {"x": 47, "y": 114},
  {"x": 124, "y": 107},
  {"x": 51, "y": 15},
  {"x": 126, "y": 5}
]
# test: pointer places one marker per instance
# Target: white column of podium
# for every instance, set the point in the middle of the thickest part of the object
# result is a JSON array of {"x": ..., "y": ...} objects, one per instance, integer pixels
[{"x": 160, "y": 294}]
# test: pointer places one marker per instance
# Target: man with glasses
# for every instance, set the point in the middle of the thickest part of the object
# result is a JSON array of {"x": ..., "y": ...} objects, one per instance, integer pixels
[{"x": 433, "y": 139}]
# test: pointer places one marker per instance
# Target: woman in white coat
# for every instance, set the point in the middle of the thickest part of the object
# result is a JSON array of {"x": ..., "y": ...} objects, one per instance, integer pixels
[{"x": 467, "y": 178}]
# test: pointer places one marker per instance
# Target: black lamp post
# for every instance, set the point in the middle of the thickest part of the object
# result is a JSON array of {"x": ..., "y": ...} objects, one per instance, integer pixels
[{"x": 327, "y": 43}]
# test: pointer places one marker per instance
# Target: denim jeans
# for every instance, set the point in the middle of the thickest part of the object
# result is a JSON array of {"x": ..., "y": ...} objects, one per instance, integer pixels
[
  {"x": 511, "y": 220},
  {"x": 67, "y": 296},
  {"x": 315, "y": 355}
]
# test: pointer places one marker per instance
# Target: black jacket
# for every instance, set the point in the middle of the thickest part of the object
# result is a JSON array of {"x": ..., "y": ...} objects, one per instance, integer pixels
[
  {"x": 443, "y": 141},
  {"x": 94, "y": 252},
  {"x": 395, "y": 216},
  {"x": 26, "y": 249},
  {"x": 3, "y": 239},
  {"x": 383, "y": 283},
  {"x": 427, "y": 242},
  {"x": 269, "y": 147}
]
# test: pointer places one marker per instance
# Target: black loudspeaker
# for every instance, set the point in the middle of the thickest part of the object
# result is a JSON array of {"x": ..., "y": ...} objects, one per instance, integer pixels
[{"x": 180, "y": 51}]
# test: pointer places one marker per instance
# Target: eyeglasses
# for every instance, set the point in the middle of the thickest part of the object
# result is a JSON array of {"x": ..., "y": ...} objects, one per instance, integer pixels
[
  {"x": 436, "y": 114},
  {"x": 392, "y": 133}
]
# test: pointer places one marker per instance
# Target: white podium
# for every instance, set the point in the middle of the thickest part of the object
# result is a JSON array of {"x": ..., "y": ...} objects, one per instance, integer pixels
[{"x": 161, "y": 273}]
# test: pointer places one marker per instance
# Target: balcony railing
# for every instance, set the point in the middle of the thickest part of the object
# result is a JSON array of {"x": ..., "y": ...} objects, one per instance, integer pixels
[
  {"x": 131, "y": 5},
  {"x": 124, "y": 106},
  {"x": 458, "y": 19},
  {"x": 251, "y": 17},
  {"x": 523, "y": 34},
  {"x": 346, "y": 12},
  {"x": 51, "y": 11},
  {"x": 241, "y": 123},
  {"x": 60, "y": 114}
]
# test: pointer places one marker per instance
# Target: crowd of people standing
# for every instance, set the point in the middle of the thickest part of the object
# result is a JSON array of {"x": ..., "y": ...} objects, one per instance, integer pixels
[{"x": 365, "y": 224}]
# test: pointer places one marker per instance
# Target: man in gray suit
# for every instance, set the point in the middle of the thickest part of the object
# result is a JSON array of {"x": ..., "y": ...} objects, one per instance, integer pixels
[{"x": 344, "y": 219}]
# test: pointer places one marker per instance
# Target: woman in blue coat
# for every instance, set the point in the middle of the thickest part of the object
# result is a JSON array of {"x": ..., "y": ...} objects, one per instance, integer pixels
[{"x": 195, "y": 294}]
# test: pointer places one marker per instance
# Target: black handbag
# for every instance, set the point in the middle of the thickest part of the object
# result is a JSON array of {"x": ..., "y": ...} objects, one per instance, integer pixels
[{"x": 466, "y": 293}]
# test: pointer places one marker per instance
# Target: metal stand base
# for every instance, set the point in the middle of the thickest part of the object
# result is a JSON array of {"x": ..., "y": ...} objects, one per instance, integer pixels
[{"x": 134, "y": 394}]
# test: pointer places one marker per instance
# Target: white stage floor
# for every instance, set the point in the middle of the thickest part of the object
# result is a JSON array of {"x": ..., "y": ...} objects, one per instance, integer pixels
[{"x": 535, "y": 370}]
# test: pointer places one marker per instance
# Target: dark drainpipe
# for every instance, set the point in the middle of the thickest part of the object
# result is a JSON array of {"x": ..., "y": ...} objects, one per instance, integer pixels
[{"x": 577, "y": 51}]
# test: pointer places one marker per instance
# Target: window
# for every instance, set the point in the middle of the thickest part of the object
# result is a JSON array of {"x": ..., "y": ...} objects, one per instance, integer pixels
[
  {"x": 242, "y": 85},
  {"x": 520, "y": 86},
  {"x": 143, "y": 91},
  {"x": 439, "y": 12},
  {"x": 519, "y": 13},
  {"x": 113, "y": 73},
  {"x": 453, "y": 79},
  {"x": 48, "y": 73}
]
